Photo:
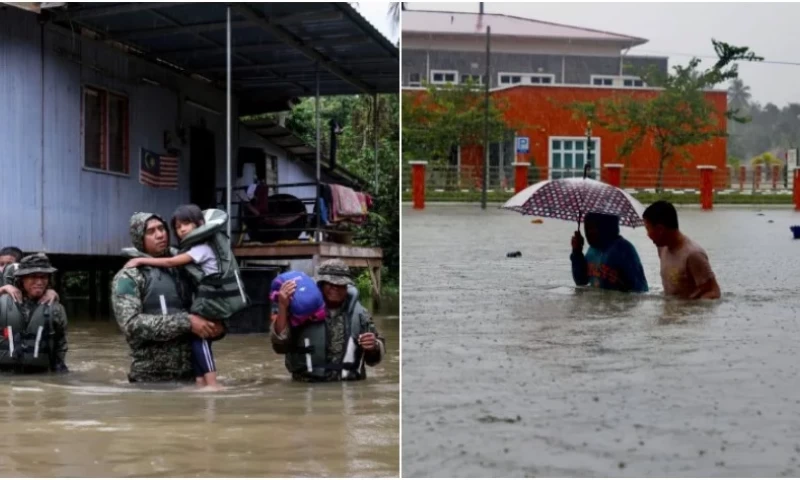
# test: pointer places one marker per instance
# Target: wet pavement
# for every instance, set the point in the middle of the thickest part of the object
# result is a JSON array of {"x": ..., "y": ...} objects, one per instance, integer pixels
[
  {"x": 93, "y": 423},
  {"x": 509, "y": 370}
]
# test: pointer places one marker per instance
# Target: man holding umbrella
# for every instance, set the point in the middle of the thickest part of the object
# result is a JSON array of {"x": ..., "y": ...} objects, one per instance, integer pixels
[{"x": 611, "y": 262}]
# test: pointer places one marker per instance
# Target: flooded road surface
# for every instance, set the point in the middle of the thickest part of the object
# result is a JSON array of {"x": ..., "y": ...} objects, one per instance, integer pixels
[
  {"x": 93, "y": 423},
  {"x": 508, "y": 369}
]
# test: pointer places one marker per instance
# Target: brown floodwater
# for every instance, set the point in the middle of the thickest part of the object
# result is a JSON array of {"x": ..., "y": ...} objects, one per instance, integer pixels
[
  {"x": 93, "y": 423},
  {"x": 509, "y": 370}
]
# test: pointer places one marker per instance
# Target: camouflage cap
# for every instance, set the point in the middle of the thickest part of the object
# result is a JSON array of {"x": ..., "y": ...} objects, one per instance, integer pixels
[
  {"x": 32, "y": 264},
  {"x": 335, "y": 272}
]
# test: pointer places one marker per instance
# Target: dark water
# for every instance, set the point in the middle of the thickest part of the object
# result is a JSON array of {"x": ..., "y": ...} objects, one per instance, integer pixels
[
  {"x": 93, "y": 423},
  {"x": 509, "y": 370}
]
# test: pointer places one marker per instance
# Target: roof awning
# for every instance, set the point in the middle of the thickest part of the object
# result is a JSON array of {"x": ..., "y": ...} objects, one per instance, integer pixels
[{"x": 276, "y": 47}]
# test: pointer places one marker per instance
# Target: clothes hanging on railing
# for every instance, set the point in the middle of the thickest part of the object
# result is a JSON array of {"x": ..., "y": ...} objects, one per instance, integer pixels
[{"x": 340, "y": 204}]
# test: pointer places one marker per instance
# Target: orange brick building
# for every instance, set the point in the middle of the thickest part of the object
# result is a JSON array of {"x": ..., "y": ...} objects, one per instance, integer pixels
[{"x": 554, "y": 134}]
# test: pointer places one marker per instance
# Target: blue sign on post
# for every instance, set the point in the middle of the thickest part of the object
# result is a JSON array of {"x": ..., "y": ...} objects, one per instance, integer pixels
[{"x": 523, "y": 144}]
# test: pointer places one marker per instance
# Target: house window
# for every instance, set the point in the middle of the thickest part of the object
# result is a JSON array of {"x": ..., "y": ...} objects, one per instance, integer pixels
[
  {"x": 568, "y": 156},
  {"x": 526, "y": 78},
  {"x": 476, "y": 79},
  {"x": 442, "y": 77},
  {"x": 414, "y": 80},
  {"x": 105, "y": 131}
]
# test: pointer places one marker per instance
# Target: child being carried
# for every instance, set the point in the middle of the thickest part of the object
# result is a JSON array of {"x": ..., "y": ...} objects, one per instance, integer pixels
[{"x": 206, "y": 255}]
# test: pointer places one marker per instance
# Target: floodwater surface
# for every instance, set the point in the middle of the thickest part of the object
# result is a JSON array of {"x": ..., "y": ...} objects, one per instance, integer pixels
[
  {"x": 510, "y": 370},
  {"x": 93, "y": 423}
]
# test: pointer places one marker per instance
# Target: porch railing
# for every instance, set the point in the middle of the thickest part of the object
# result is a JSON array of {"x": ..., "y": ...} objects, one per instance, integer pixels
[{"x": 313, "y": 225}]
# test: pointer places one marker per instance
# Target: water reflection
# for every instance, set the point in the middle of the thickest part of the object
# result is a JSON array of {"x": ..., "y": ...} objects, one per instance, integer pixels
[
  {"x": 509, "y": 370},
  {"x": 93, "y": 423}
]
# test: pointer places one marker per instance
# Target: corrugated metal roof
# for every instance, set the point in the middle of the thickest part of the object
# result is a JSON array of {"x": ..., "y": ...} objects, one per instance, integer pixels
[
  {"x": 462, "y": 23},
  {"x": 276, "y": 46}
]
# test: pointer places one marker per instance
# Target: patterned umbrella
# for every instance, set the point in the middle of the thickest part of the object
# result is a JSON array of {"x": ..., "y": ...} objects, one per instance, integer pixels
[{"x": 572, "y": 198}]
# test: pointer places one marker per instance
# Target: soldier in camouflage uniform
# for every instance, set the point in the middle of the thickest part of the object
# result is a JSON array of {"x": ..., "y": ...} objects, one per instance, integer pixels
[
  {"x": 344, "y": 314},
  {"x": 151, "y": 307},
  {"x": 9, "y": 263},
  {"x": 31, "y": 279}
]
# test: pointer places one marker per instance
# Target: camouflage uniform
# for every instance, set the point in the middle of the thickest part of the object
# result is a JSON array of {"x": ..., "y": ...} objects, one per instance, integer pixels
[
  {"x": 39, "y": 263},
  {"x": 159, "y": 344},
  {"x": 335, "y": 272},
  {"x": 7, "y": 276}
]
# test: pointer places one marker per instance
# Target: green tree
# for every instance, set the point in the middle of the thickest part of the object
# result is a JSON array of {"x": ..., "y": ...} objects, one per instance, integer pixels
[
  {"x": 739, "y": 95},
  {"x": 449, "y": 115},
  {"x": 394, "y": 15},
  {"x": 678, "y": 116},
  {"x": 356, "y": 153}
]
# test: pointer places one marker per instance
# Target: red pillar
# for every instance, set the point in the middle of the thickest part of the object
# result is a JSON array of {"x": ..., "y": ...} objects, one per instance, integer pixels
[
  {"x": 742, "y": 176},
  {"x": 520, "y": 176},
  {"x": 776, "y": 171},
  {"x": 706, "y": 186},
  {"x": 418, "y": 184},
  {"x": 796, "y": 189},
  {"x": 613, "y": 174},
  {"x": 757, "y": 178}
]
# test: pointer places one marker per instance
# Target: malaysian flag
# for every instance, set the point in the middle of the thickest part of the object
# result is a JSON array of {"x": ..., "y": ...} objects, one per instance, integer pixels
[{"x": 158, "y": 171}]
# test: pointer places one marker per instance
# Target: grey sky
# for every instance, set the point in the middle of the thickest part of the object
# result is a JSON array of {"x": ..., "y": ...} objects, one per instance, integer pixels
[
  {"x": 377, "y": 13},
  {"x": 769, "y": 29}
]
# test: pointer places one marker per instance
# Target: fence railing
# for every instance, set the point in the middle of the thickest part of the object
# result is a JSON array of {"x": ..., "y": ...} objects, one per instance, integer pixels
[{"x": 748, "y": 178}]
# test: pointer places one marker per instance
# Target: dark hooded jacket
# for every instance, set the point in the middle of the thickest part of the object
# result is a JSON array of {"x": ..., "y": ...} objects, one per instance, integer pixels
[
  {"x": 159, "y": 343},
  {"x": 611, "y": 262}
]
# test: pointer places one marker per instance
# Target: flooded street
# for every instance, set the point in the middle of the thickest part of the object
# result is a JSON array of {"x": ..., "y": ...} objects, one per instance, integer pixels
[
  {"x": 93, "y": 423},
  {"x": 509, "y": 370}
]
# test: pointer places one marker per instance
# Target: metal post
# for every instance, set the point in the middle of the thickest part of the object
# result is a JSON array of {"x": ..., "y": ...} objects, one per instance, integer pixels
[
  {"x": 588, "y": 145},
  {"x": 486, "y": 122},
  {"x": 319, "y": 156},
  {"x": 375, "y": 130},
  {"x": 228, "y": 125}
]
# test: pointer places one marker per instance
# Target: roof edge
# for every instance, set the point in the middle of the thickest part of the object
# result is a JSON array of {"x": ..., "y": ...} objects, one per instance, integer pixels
[{"x": 637, "y": 40}]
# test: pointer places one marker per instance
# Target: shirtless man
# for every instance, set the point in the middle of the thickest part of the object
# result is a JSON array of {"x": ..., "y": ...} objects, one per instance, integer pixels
[{"x": 685, "y": 269}]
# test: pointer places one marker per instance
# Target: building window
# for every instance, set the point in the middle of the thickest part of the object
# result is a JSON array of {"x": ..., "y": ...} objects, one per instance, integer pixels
[
  {"x": 568, "y": 156},
  {"x": 441, "y": 77},
  {"x": 510, "y": 79},
  {"x": 633, "y": 82},
  {"x": 414, "y": 80},
  {"x": 468, "y": 77},
  {"x": 616, "y": 81},
  {"x": 526, "y": 78},
  {"x": 602, "y": 81},
  {"x": 105, "y": 131},
  {"x": 540, "y": 79}
]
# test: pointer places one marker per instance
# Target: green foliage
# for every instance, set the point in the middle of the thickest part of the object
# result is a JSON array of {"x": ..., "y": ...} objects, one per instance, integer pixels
[
  {"x": 448, "y": 115},
  {"x": 766, "y": 159},
  {"x": 356, "y": 153},
  {"x": 678, "y": 116},
  {"x": 771, "y": 128}
]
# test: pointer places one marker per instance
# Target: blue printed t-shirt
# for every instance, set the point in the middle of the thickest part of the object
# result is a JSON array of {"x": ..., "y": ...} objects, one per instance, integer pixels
[{"x": 616, "y": 267}]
